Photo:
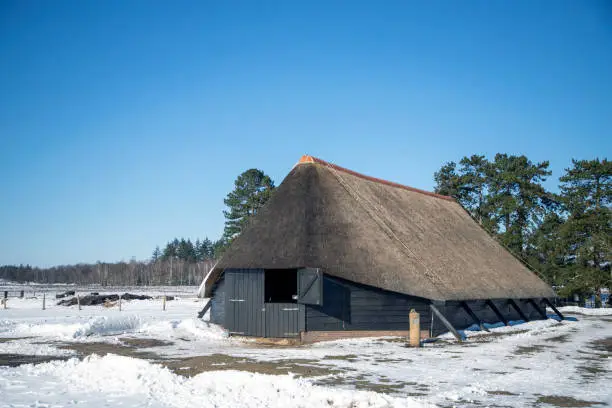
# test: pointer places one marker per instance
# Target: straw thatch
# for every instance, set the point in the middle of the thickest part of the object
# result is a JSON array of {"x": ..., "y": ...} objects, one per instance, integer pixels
[{"x": 381, "y": 234}]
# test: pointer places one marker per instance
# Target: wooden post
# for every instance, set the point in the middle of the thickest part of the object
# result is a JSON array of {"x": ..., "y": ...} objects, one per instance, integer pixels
[
  {"x": 6, "y": 294},
  {"x": 537, "y": 308},
  {"x": 475, "y": 318},
  {"x": 44, "y": 299},
  {"x": 21, "y": 294},
  {"x": 164, "y": 302},
  {"x": 445, "y": 322},
  {"x": 518, "y": 309},
  {"x": 558, "y": 313},
  {"x": 499, "y": 315},
  {"x": 206, "y": 307},
  {"x": 79, "y": 301},
  {"x": 415, "y": 329},
  {"x": 119, "y": 302}
]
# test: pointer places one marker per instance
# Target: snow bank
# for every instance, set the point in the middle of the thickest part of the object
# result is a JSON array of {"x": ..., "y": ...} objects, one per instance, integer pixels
[
  {"x": 101, "y": 380},
  {"x": 534, "y": 327},
  {"x": 586, "y": 311},
  {"x": 100, "y": 325},
  {"x": 193, "y": 329}
]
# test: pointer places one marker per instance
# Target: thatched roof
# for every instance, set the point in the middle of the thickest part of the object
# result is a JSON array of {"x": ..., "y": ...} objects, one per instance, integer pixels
[{"x": 381, "y": 234}]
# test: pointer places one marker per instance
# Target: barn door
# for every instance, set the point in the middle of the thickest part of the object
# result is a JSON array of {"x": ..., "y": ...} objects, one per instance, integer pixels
[
  {"x": 310, "y": 286},
  {"x": 244, "y": 312},
  {"x": 283, "y": 319}
]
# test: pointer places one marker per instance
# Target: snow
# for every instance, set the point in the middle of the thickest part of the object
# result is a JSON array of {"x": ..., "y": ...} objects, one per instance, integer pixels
[
  {"x": 98, "y": 381},
  {"x": 508, "y": 366},
  {"x": 586, "y": 311}
]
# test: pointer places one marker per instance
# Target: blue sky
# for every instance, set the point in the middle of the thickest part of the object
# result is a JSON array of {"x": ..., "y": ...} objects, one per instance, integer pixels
[{"x": 124, "y": 123}]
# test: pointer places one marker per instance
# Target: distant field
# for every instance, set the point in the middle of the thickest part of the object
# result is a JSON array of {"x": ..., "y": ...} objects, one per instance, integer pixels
[{"x": 31, "y": 289}]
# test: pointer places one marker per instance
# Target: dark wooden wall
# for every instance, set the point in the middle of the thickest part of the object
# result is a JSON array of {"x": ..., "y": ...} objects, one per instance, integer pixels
[
  {"x": 217, "y": 307},
  {"x": 346, "y": 306},
  {"x": 352, "y": 306}
]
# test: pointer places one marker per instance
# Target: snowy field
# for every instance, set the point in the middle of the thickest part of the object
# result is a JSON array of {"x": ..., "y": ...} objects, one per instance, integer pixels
[{"x": 143, "y": 356}]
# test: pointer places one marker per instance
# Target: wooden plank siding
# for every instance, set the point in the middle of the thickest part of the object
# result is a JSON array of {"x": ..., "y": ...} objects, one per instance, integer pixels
[
  {"x": 217, "y": 308},
  {"x": 347, "y": 306},
  {"x": 244, "y": 306},
  {"x": 283, "y": 319},
  {"x": 352, "y": 306}
]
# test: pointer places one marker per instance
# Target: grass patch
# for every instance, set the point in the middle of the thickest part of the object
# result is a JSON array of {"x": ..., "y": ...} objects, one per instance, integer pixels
[
  {"x": 564, "y": 338},
  {"x": 15, "y": 360},
  {"x": 7, "y": 339},
  {"x": 604, "y": 345},
  {"x": 500, "y": 392},
  {"x": 144, "y": 343},
  {"x": 85, "y": 349},
  {"x": 392, "y": 360},
  {"x": 191, "y": 366},
  {"x": 347, "y": 357},
  {"x": 529, "y": 350},
  {"x": 383, "y": 385},
  {"x": 566, "y": 402}
]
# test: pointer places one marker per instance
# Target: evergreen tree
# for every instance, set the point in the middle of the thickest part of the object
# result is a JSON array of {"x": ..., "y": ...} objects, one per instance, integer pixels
[
  {"x": 186, "y": 251},
  {"x": 546, "y": 248},
  {"x": 447, "y": 180},
  {"x": 468, "y": 185},
  {"x": 586, "y": 193},
  {"x": 171, "y": 249},
  {"x": 197, "y": 246},
  {"x": 157, "y": 254},
  {"x": 517, "y": 199},
  {"x": 252, "y": 189},
  {"x": 206, "y": 249}
]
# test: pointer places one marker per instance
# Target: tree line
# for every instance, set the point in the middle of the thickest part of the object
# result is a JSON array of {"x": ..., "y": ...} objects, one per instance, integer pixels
[{"x": 565, "y": 237}]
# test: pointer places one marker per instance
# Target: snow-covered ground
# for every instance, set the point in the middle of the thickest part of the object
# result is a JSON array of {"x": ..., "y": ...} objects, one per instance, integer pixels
[
  {"x": 586, "y": 311},
  {"x": 537, "y": 362}
]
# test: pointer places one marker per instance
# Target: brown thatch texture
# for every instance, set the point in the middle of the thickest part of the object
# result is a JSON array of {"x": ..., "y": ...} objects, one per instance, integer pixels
[{"x": 380, "y": 234}]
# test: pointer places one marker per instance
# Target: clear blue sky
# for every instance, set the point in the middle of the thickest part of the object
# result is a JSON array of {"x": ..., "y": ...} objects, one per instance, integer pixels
[{"x": 124, "y": 123}]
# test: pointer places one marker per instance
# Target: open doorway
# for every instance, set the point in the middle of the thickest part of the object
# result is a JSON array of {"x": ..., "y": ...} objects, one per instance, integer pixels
[{"x": 280, "y": 285}]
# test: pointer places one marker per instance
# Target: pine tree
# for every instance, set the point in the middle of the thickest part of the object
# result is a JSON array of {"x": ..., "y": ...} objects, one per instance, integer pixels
[
  {"x": 206, "y": 248},
  {"x": 252, "y": 189},
  {"x": 468, "y": 185},
  {"x": 447, "y": 180},
  {"x": 157, "y": 254},
  {"x": 171, "y": 249},
  {"x": 586, "y": 191},
  {"x": 517, "y": 198},
  {"x": 474, "y": 183}
]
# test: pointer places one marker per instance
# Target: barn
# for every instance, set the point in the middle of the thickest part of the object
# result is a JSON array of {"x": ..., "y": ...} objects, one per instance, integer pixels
[{"x": 336, "y": 254}]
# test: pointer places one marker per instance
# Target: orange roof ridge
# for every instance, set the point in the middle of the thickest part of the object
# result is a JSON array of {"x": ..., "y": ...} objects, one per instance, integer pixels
[{"x": 306, "y": 159}]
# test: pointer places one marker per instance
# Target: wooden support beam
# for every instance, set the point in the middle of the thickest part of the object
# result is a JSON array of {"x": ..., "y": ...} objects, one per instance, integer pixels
[
  {"x": 537, "y": 308},
  {"x": 495, "y": 310},
  {"x": 518, "y": 310},
  {"x": 445, "y": 322},
  {"x": 558, "y": 313},
  {"x": 475, "y": 318},
  {"x": 206, "y": 307}
]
